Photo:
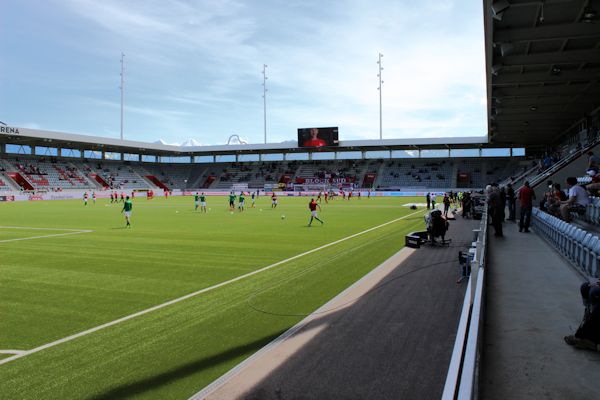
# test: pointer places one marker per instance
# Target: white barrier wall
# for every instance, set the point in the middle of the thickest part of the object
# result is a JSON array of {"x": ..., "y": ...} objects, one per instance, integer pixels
[{"x": 77, "y": 195}]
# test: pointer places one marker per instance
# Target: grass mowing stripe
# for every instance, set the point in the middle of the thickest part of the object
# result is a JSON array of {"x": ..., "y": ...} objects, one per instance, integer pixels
[
  {"x": 196, "y": 293},
  {"x": 173, "y": 352}
]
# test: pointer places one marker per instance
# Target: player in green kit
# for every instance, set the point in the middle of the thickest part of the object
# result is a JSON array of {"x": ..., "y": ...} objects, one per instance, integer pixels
[
  {"x": 203, "y": 202},
  {"x": 241, "y": 202},
  {"x": 127, "y": 206},
  {"x": 231, "y": 201},
  {"x": 196, "y": 201}
]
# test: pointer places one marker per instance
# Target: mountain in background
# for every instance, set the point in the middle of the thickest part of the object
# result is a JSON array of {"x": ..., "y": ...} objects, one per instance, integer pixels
[
  {"x": 187, "y": 143},
  {"x": 194, "y": 142}
]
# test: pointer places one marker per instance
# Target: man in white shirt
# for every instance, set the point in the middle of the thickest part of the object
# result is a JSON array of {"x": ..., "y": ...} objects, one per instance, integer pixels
[{"x": 578, "y": 200}]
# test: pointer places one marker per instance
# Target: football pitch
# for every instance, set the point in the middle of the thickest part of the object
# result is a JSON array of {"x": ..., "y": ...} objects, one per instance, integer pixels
[{"x": 92, "y": 310}]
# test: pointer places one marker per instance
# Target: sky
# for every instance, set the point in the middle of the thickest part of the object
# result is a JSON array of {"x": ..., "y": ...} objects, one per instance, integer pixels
[{"x": 193, "y": 68}]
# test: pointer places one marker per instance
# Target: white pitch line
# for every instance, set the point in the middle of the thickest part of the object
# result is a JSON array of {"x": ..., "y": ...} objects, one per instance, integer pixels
[
  {"x": 196, "y": 293},
  {"x": 44, "y": 236},
  {"x": 12, "y": 351},
  {"x": 45, "y": 229}
]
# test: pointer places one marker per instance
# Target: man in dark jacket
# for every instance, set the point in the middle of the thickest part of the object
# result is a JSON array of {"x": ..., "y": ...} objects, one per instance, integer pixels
[{"x": 512, "y": 202}]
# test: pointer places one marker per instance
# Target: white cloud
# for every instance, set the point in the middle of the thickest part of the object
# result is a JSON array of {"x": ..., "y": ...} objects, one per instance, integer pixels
[{"x": 193, "y": 68}]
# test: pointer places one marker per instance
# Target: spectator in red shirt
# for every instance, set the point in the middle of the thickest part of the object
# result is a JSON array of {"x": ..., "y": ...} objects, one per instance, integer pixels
[{"x": 526, "y": 196}]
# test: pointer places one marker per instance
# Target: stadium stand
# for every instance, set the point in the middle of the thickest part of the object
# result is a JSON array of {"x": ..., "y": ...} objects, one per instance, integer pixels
[
  {"x": 174, "y": 176},
  {"x": 255, "y": 174},
  {"x": 56, "y": 173},
  {"x": 117, "y": 175}
]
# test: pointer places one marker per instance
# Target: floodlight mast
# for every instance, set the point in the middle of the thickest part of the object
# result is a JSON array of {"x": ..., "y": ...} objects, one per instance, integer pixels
[
  {"x": 122, "y": 88},
  {"x": 264, "y": 72},
  {"x": 380, "y": 106}
]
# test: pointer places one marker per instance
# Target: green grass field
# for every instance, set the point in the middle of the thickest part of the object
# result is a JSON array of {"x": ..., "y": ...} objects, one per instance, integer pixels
[{"x": 84, "y": 270}]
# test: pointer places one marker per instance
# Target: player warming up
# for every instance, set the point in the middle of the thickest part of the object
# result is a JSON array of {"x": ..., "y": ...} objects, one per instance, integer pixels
[
  {"x": 127, "y": 206},
  {"x": 312, "y": 206},
  {"x": 241, "y": 202},
  {"x": 202, "y": 202},
  {"x": 231, "y": 201}
]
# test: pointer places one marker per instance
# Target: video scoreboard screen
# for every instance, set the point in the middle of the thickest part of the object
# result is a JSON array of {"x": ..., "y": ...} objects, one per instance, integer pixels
[{"x": 318, "y": 137}]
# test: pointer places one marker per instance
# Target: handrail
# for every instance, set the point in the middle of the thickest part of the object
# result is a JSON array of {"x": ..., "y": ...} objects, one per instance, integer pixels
[
  {"x": 453, "y": 375},
  {"x": 562, "y": 163},
  {"x": 468, "y": 382},
  {"x": 461, "y": 377}
]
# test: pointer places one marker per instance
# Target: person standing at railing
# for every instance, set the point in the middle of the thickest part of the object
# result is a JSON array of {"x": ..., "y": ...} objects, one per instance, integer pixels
[
  {"x": 496, "y": 208},
  {"x": 512, "y": 202},
  {"x": 526, "y": 197}
]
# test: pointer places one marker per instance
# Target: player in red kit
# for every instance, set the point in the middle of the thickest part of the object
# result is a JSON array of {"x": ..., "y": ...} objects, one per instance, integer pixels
[{"x": 312, "y": 206}]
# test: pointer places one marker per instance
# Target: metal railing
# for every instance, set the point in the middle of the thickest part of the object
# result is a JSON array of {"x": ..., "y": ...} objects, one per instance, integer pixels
[
  {"x": 560, "y": 164},
  {"x": 461, "y": 379}
]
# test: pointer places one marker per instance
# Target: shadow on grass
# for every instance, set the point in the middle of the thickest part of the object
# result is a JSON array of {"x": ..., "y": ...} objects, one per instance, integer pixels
[{"x": 182, "y": 371}]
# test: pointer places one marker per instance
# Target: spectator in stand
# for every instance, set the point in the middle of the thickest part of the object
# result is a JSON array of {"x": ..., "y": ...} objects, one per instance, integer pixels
[
  {"x": 547, "y": 194},
  {"x": 593, "y": 162},
  {"x": 594, "y": 186},
  {"x": 554, "y": 200},
  {"x": 546, "y": 162},
  {"x": 577, "y": 202},
  {"x": 587, "y": 335},
  {"x": 526, "y": 196}
]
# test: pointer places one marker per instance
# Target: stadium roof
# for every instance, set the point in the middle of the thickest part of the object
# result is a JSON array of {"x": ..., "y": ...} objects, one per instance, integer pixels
[
  {"x": 543, "y": 68},
  {"x": 33, "y": 137}
]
